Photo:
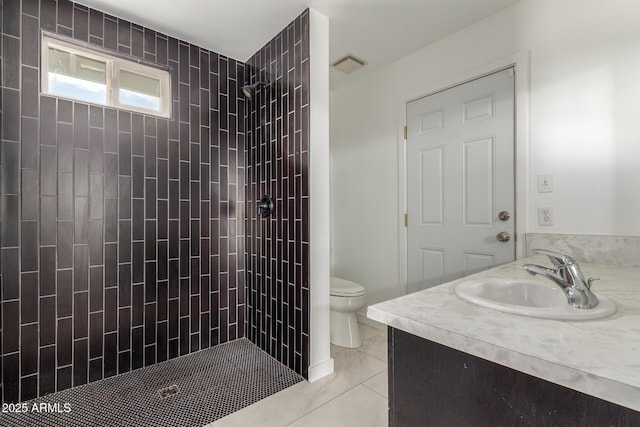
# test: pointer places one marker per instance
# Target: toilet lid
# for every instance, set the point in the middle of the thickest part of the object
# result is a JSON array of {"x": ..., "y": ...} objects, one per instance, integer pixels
[{"x": 345, "y": 288}]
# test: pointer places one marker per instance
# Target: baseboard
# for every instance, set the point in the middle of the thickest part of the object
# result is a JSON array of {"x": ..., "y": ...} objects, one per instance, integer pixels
[
  {"x": 320, "y": 370},
  {"x": 362, "y": 318}
]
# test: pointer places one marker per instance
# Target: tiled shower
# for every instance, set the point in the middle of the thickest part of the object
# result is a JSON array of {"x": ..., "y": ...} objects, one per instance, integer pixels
[
  {"x": 129, "y": 239},
  {"x": 277, "y": 164}
]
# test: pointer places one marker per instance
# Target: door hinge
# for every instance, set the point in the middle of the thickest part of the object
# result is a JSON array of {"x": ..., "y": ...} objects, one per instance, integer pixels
[
  {"x": 405, "y": 133},
  {"x": 406, "y": 220}
]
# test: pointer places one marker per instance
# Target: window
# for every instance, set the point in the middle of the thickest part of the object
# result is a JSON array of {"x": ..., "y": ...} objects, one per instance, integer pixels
[{"x": 70, "y": 70}]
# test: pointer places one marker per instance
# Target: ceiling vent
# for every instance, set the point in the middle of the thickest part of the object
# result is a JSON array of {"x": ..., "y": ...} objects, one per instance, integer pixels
[{"x": 349, "y": 64}]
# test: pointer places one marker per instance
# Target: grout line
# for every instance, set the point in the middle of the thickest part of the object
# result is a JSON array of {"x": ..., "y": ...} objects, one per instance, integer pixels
[{"x": 386, "y": 371}]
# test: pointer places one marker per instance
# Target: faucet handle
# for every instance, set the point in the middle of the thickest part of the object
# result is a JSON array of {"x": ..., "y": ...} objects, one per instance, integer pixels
[
  {"x": 590, "y": 281},
  {"x": 557, "y": 258}
]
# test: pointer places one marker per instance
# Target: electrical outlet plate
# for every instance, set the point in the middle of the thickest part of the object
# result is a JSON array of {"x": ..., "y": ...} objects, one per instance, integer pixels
[
  {"x": 545, "y": 216},
  {"x": 545, "y": 183}
]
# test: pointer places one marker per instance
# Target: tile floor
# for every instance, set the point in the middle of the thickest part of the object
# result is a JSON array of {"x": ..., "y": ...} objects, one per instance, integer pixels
[
  {"x": 209, "y": 384},
  {"x": 355, "y": 395}
]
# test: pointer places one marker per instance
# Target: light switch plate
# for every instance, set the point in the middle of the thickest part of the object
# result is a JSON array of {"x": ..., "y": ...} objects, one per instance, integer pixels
[{"x": 545, "y": 183}]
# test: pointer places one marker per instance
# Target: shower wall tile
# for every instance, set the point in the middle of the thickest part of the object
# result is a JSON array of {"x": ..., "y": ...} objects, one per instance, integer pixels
[
  {"x": 109, "y": 251},
  {"x": 277, "y": 159}
]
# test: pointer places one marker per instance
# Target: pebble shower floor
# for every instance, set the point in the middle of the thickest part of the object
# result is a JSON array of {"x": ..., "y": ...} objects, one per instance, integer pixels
[{"x": 210, "y": 385}]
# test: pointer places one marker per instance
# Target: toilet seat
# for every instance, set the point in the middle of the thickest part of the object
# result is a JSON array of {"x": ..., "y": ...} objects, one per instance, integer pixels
[{"x": 345, "y": 288}]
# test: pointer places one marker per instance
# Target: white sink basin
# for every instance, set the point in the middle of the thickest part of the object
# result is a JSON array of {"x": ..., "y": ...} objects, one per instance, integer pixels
[{"x": 529, "y": 298}]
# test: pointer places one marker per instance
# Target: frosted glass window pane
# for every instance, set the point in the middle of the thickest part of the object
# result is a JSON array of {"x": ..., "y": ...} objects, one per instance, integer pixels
[
  {"x": 75, "y": 76},
  {"x": 139, "y": 90},
  {"x": 76, "y": 71}
]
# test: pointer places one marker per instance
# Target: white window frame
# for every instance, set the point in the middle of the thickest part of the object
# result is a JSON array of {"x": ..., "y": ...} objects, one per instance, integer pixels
[{"x": 113, "y": 66}]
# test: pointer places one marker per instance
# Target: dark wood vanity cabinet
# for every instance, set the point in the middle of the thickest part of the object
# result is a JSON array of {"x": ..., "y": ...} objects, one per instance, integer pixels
[{"x": 434, "y": 385}]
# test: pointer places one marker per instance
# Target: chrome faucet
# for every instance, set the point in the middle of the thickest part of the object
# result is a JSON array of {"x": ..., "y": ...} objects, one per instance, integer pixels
[{"x": 568, "y": 276}]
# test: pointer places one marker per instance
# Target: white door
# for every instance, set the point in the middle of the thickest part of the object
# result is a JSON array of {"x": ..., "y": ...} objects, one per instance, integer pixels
[{"x": 460, "y": 177}]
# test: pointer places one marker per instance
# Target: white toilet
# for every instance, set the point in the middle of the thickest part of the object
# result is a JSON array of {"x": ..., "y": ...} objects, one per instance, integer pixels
[{"x": 347, "y": 298}]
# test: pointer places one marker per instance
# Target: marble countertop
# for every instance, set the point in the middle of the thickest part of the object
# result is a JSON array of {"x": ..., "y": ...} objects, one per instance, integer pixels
[{"x": 597, "y": 357}]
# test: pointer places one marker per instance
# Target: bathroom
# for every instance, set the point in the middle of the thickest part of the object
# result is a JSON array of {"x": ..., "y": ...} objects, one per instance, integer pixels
[{"x": 575, "y": 100}]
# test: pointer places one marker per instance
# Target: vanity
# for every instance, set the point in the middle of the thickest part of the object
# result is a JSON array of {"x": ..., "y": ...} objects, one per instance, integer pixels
[{"x": 456, "y": 363}]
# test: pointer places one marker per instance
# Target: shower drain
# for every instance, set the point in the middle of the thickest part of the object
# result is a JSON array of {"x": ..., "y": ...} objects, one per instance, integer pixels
[{"x": 168, "y": 391}]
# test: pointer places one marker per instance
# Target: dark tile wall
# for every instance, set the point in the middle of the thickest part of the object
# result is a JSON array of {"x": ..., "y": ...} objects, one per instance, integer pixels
[
  {"x": 122, "y": 233},
  {"x": 278, "y": 165}
]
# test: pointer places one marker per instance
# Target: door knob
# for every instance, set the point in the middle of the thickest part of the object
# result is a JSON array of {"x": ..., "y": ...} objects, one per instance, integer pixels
[
  {"x": 503, "y": 236},
  {"x": 504, "y": 216}
]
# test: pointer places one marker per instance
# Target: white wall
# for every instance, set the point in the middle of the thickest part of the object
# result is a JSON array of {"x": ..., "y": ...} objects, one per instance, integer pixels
[
  {"x": 584, "y": 87},
  {"x": 320, "y": 361}
]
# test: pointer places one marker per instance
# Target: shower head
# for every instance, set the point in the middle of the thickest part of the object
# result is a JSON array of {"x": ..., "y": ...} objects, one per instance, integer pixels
[{"x": 249, "y": 90}]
